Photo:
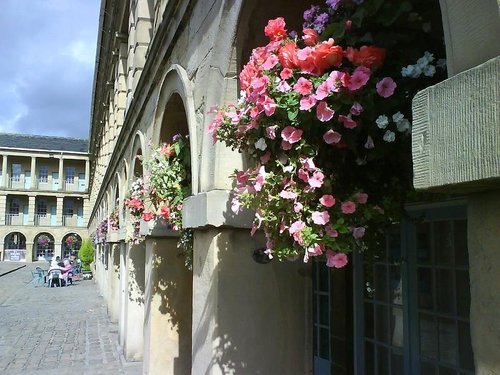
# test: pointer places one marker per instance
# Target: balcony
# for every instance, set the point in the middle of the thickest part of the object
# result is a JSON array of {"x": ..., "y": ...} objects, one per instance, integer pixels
[
  {"x": 73, "y": 221},
  {"x": 16, "y": 219},
  {"x": 45, "y": 220},
  {"x": 19, "y": 182}
]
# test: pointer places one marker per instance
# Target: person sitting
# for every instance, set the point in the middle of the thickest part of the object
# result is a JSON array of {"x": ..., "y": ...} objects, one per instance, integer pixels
[
  {"x": 67, "y": 270},
  {"x": 55, "y": 262}
]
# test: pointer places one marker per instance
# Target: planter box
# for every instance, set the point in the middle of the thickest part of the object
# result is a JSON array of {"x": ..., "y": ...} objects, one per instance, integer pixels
[{"x": 157, "y": 228}]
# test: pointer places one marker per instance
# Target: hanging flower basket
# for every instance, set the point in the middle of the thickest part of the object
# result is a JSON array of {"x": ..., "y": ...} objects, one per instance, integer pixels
[{"x": 43, "y": 240}]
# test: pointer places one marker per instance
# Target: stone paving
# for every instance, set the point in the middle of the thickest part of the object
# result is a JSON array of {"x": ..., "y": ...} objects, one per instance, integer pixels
[{"x": 56, "y": 330}]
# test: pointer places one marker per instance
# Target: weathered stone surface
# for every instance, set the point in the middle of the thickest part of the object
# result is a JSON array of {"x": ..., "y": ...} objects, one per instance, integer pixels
[{"x": 456, "y": 131}]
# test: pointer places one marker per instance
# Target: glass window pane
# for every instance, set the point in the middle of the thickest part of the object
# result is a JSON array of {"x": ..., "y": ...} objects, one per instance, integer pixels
[
  {"x": 428, "y": 339},
  {"x": 394, "y": 246},
  {"x": 323, "y": 282},
  {"x": 324, "y": 310},
  {"x": 443, "y": 242},
  {"x": 381, "y": 324},
  {"x": 324, "y": 343},
  {"x": 427, "y": 368},
  {"x": 447, "y": 341},
  {"x": 461, "y": 252},
  {"x": 382, "y": 360},
  {"x": 397, "y": 338},
  {"x": 465, "y": 347},
  {"x": 463, "y": 293},
  {"x": 396, "y": 285},
  {"x": 445, "y": 291},
  {"x": 315, "y": 341},
  {"x": 397, "y": 362},
  {"x": 423, "y": 236},
  {"x": 425, "y": 289},
  {"x": 368, "y": 320},
  {"x": 369, "y": 358},
  {"x": 381, "y": 283}
]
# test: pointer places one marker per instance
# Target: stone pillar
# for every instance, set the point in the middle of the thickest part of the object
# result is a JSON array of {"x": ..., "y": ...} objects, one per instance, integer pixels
[
  {"x": 87, "y": 174},
  {"x": 122, "y": 327},
  {"x": 168, "y": 318},
  {"x": 33, "y": 173},
  {"x": 247, "y": 317},
  {"x": 61, "y": 171},
  {"x": 3, "y": 209},
  {"x": 134, "y": 331},
  {"x": 30, "y": 256},
  {"x": 2, "y": 250},
  {"x": 5, "y": 172},
  {"x": 31, "y": 210},
  {"x": 484, "y": 258},
  {"x": 114, "y": 282},
  {"x": 57, "y": 248},
  {"x": 59, "y": 211}
]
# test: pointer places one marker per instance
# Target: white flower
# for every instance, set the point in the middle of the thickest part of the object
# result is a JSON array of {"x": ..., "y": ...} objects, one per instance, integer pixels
[
  {"x": 429, "y": 70},
  {"x": 389, "y": 136},
  {"x": 382, "y": 121},
  {"x": 412, "y": 71},
  {"x": 261, "y": 144},
  {"x": 397, "y": 117},
  {"x": 288, "y": 168},
  {"x": 403, "y": 125}
]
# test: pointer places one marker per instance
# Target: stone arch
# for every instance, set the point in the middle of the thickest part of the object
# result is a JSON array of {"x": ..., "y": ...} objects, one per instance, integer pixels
[
  {"x": 138, "y": 148},
  {"x": 44, "y": 246},
  {"x": 175, "y": 114},
  {"x": 70, "y": 244},
  {"x": 13, "y": 242}
]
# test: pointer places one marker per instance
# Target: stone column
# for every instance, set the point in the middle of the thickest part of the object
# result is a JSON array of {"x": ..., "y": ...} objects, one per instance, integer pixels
[
  {"x": 122, "y": 326},
  {"x": 114, "y": 282},
  {"x": 31, "y": 210},
  {"x": 168, "y": 319},
  {"x": 33, "y": 173},
  {"x": 134, "y": 303},
  {"x": 59, "y": 211},
  {"x": 87, "y": 174},
  {"x": 3, "y": 209},
  {"x": 484, "y": 258},
  {"x": 5, "y": 172},
  {"x": 61, "y": 171},
  {"x": 29, "y": 252}
]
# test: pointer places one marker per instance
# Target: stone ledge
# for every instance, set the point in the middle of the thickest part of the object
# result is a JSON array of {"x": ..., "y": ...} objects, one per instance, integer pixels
[
  {"x": 456, "y": 132},
  {"x": 116, "y": 236},
  {"x": 156, "y": 228},
  {"x": 213, "y": 208}
]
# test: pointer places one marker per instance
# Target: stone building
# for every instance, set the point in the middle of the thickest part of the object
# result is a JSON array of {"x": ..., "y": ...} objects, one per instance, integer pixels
[
  {"x": 160, "y": 66},
  {"x": 43, "y": 196}
]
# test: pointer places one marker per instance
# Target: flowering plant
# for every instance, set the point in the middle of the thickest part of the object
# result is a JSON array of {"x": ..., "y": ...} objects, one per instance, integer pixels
[
  {"x": 326, "y": 119},
  {"x": 169, "y": 181},
  {"x": 101, "y": 232},
  {"x": 43, "y": 240},
  {"x": 114, "y": 220},
  {"x": 135, "y": 203},
  {"x": 71, "y": 240}
]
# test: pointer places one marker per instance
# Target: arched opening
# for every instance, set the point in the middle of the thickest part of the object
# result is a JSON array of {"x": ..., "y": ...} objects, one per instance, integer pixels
[
  {"x": 44, "y": 246},
  {"x": 15, "y": 247},
  {"x": 175, "y": 120},
  {"x": 70, "y": 245}
]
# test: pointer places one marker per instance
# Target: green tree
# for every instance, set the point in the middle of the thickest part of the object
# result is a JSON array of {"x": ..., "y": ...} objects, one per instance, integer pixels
[{"x": 86, "y": 254}]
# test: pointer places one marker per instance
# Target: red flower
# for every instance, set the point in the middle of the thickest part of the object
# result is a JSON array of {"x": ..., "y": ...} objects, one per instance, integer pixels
[
  {"x": 147, "y": 215},
  {"x": 327, "y": 55},
  {"x": 288, "y": 56},
  {"x": 310, "y": 37},
  {"x": 275, "y": 29},
  {"x": 369, "y": 56},
  {"x": 165, "y": 212}
]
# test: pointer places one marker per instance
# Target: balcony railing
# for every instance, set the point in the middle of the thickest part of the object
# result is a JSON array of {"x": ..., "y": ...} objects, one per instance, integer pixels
[
  {"x": 14, "y": 219},
  {"x": 45, "y": 220}
]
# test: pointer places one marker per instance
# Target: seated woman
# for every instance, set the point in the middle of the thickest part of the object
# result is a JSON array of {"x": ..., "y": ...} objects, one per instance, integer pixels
[{"x": 67, "y": 270}]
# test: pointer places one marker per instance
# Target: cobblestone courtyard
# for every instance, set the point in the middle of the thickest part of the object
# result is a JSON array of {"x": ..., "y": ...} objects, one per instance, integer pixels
[{"x": 56, "y": 330}]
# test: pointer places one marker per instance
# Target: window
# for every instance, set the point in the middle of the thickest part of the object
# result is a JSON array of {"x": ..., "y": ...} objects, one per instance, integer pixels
[
  {"x": 16, "y": 172},
  {"x": 43, "y": 174},
  {"x": 68, "y": 208},
  {"x": 411, "y": 303},
  {"x": 41, "y": 208},
  {"x": 14, "y": 206},
  {"x": 70, "y": 175}
]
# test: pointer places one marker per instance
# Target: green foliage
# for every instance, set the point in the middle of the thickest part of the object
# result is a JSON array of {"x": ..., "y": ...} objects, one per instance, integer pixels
[{"x": 86, "y": 254}]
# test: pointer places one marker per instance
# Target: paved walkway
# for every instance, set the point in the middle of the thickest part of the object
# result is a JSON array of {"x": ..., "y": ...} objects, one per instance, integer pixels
[{"x": 45, "y": 331}]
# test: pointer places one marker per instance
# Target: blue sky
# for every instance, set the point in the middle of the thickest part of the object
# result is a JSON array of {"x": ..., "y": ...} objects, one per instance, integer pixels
[{"x": 47, "y": 66}]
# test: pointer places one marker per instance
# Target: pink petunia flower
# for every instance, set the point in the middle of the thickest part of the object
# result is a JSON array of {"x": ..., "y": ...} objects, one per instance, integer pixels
[
  {"x": 348, "y": 207},
  {"x": 348, "y": 122},
  {"x": 285, "y": 194},
  {"x": 361, "y": 197},
  {"x": 307, "y": 102},
  {"x": 271, "y": 131},
  {"x": 316, "y": 180},
  {"x": 331, "y": 232},
  {"x": 327, "y": 200},
  {"x": 147, "y": 215},
  {"x": 270, "y": 62},
  {"x": 386, "y": 87},
  {"x": 291, "y": 134},
  {"x": 331, "y": 136},
  {"x": 286, "y": 73},
  {"x": 320, "y": 218},
  {"x": 303, "y": 86},
  {"x": 259, "y": 181},
  {"x": 337, "y": 260},
  {"x": 265, "y": 158},
  {"x": 297, "y": 207},
  {"x": 356, "y": 109},
  {"x": 283, "y": 86},
  {"x": 359, "y": 78},
  {"x": 323, "y": 112}
]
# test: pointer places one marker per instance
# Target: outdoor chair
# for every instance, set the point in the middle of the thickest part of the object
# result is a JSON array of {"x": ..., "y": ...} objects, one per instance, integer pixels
[
  {"x": 38, "y": 277},
  {"x": 55, "y": 276}
]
